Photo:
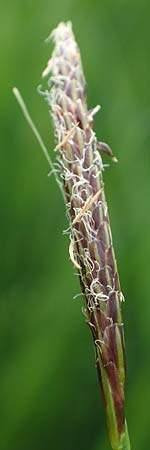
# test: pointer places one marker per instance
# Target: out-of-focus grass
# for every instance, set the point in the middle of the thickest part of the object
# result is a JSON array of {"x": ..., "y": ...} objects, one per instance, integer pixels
[{"x": 48, "y": 384}]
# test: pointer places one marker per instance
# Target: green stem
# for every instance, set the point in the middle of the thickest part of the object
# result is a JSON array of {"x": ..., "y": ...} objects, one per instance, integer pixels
[
  {"x": 118, "y": 442},
  {"x": 125, "y": 441}
]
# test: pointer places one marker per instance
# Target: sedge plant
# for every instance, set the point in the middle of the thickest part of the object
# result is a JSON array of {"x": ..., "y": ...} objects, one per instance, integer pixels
[{"x": 78, "y": 169}]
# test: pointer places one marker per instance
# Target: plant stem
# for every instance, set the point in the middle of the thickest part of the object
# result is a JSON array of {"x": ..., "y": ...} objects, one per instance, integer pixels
[{"x": 125, "y": 439}]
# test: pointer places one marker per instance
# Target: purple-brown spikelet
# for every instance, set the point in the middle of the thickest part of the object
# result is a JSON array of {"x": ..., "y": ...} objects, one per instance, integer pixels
[{"x": 91, "y": 250}]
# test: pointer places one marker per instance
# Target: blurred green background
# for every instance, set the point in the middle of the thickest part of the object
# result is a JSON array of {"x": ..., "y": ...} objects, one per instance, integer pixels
[{"x": 50, "y": 398}]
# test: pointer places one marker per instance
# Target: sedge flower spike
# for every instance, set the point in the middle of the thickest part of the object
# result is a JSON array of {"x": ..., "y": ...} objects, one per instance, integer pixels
[{"x": 80, "y": 168}]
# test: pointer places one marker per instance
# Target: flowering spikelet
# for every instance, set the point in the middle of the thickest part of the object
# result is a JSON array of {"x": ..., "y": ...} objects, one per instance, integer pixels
[{"x": 91, "y": 249}]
